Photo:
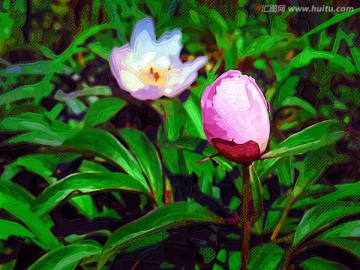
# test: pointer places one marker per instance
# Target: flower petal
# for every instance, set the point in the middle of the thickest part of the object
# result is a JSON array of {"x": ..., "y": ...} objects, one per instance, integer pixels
[
  {"x": 188, "y": 74},
  {"x": 162, "y": 62},
  {"x": 170, "y": 43},
  {"x": 147, "y": 58},
  {"x": 117, "y": 58},
  {"x": 150, "y": 93},
  {"x": 131, "y": 82},
  {"x": 145, "y": 25}
]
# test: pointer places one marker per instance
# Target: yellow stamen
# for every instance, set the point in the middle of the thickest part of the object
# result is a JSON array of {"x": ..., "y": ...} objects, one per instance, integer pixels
[{"x": 152, "y": 75}]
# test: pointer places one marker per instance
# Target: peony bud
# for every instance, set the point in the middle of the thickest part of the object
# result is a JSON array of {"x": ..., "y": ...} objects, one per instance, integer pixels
[{"x": 235, "y": 117}]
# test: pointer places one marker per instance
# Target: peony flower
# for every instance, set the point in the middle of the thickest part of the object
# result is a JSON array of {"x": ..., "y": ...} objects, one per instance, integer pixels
[
  {"x": 235, "y": 117},
  {"x": 148, "y": 68}
]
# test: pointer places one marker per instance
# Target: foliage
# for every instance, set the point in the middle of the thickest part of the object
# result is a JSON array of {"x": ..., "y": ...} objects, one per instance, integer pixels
[{"x": 75, "y": 145}]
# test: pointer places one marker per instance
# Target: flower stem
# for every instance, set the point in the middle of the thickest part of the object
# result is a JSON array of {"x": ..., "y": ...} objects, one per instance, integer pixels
[
  {"x": 282, "y": 220},
  {"x": 246, "y": 201}
]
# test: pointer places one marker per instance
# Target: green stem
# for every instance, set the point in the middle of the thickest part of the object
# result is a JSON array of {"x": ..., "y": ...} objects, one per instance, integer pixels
[
  {"x": 282, "y": 220},
  {"x": 246, "y": 223}
]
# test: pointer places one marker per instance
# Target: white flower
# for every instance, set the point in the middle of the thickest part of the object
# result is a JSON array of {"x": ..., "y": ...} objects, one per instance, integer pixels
[{"x": 148, "y": 68}]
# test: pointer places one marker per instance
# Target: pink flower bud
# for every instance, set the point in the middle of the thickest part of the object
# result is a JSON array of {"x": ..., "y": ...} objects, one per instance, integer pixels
[{"x": 235, "y": 117}]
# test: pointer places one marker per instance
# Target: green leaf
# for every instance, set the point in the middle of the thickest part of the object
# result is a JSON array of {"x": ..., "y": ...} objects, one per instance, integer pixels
[
  {"x": 222, "y": 256},
  {"x": 166, "y": 265},
  {"x": 217, "y": 267},
  {"x": 337, "y": 18},
  {"x": 273, "y": 215},
  {"x": 312, "y": 167},
  {"x": 16, "y": 191},
  {"x": 36, "y": 91},
  {"x": 320, "y": 263},
  {"x": 12, "y": 228},
  {"x": 234, "y": 260},
  {"x": 307, "y": 55},
  {"x": 40, "y": 164},
  {"x": 66, "y": 257},
  {"x": 257, "y": 192},
  {"x": 161, "y": 219},
  {"x": 341, "y": 236},
  {"x": 98, "y": 90},
  {"x": 89, "y": 166},
  {"x": 323, "y": 216},
  {"x": 190, "y": 144},
  {"x": 102, "y": 110},
  {"x": 81, "y": 238},
  {"x": 86, "y": 207},
  {"x": 148, "y": 158},
  {"x": 268, "y": 43},
  {"x": 40, "y": 129},
  {"x": 103, "y": 144},
  {"x": 83, "y": 183},
  {"x": 9, "y": 265},
  {"x": 204, "y": 171},
  {"x": 295, "y": 101},
  {"x": 43, "y": 236},
  {"x": 208, "y": 254},
  {"x": 173, "y": 113},
  {"x": 285, "y": 172},
  {"x": 350, "y": 246},
  {"x": 311, "y": 138},
  {"x": 265, "y": 257},
  {"x": 25, "y": 121},
  {"x": 345, "y": 230},
  {"x": 286, "y": 89},
  {"x": 192, "y": 107},
  {"x": 266, "y": 167},
  {"x": 341, "y": 192}
]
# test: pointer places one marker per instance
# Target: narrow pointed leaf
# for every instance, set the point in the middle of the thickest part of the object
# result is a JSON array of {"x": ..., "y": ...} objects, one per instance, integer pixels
[
  {"x": 9, "y": 228},
  {"x": 103, "y": 144},
  {"x": 16, "y": 191},
  {"x": 21, "y": 211},
  {"x": 257, "y": 192},
  {"x": 346, "y": 230},
  {"x": 148, "y": 158},
  {"x": 342, "y": 192},
  {"x": 320, "y": 263},
  {"x": 351, "y": 246},
  {"x": 322, "y": 216},
  {"x": 66, "y": 257},
  {"x": 265, "y": 257},
  {"x": 311, "y": 138},
  {"x": 84, "y": 183},
  {"x": 157, "y": 222},
  {"x": 313, "y": 166},
  {"x": 102, "y": 110}
]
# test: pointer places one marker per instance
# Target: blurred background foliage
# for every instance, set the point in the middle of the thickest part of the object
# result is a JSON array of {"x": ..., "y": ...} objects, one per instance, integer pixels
[{"x": 84, "y": 165}]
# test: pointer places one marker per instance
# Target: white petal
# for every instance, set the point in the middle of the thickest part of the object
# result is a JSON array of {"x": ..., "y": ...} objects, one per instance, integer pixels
[
  {"x": 170, "y": 43},
  {"x": 167, "y": 90},
  {"x": 144, "y": 44},
  {"x": 175, "y": 80},
  {"x": 131, "y": 82},
  {"x": 131, "y": 62},
  {"x": 162, "y": 62},
  {"x": 144, "y": 26},
  {"x": 117, "y": 58},
  {"x": 147, "y": 58},
  {"x": 186, "y": 70}
]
